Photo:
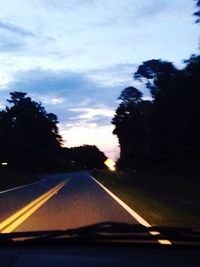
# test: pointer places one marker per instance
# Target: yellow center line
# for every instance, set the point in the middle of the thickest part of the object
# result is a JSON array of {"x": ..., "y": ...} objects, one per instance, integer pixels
[{"x": 20, "y": 216}]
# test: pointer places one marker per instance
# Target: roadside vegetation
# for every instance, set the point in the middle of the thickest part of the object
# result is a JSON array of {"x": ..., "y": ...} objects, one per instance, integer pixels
[{"x": 159, "y": 199}]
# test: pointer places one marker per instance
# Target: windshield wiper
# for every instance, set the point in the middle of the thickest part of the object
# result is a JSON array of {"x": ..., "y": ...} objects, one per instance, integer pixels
[{"x": 106, "y": 232}]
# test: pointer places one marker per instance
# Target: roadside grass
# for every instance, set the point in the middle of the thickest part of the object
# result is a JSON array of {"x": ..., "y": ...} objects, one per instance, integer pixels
[
  {"x": 161, "y": 200},
  {"x": 184, "y": 188},
  {"x": 12, "y": 178}
]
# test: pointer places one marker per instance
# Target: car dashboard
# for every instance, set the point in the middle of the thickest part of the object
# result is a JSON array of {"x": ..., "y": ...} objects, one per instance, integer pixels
[{"x": 98, "y": 255}]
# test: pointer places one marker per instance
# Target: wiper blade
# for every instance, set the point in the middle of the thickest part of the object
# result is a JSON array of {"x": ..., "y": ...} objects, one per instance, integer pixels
[
  {"x": 91, "y": 231},
  {"x": 107, "y": 231}
]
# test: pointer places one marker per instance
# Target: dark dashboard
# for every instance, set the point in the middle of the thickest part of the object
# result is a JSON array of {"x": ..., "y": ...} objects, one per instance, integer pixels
[{"x": 59, "y": 256}]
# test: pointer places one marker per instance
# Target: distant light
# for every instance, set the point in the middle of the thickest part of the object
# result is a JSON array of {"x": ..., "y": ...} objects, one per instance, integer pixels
[
  {"x": 4, "y": 163},
  {"x": 154, "y": 233},
  {"x": 110, "y": 164},
  {"x": 164, "y": 242}
]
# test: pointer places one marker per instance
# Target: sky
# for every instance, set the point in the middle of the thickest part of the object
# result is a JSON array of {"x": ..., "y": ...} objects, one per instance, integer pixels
[{"x": 76, "y": 56}]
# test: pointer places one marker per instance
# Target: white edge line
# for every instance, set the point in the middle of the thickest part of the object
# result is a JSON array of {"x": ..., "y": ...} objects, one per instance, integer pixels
[
  {"x": 18, "y": 187},
  {"x": 125, "y": 206},
  {"x": 134, "y": 214}
]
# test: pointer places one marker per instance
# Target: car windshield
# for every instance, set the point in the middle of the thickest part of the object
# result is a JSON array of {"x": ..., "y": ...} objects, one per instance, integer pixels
[{"x": 99, "y": 115}]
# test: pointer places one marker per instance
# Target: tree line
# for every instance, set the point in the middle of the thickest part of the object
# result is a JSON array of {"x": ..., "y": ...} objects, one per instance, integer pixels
[
  {"x": 30, "y": 140},
  {"x": 162, "y": 133}
]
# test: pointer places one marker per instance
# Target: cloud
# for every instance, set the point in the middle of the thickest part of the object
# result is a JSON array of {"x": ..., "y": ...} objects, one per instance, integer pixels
[
  {"x": 88, "y": 113},
  {"x": 67, "y": 4},
  {"x": 46, "y": 100},
  {"x": 77, "y": 95},
  {"x": 152, "y": 8},
  {"x": 63, "y": 54},
  {"x": 7, "y": 45},
  {"x": 118, "y": 74},
  {"x": 99, "y": 115},
  {"x": 105, "y": 14},
  {"x": 15, "y": 29},
  {"x": 12, "y": 38},
  {"x": 69, "y": 93}
]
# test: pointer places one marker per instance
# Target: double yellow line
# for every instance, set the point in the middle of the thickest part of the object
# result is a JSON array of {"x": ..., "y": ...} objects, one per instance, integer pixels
[{"x": 21, "y": 215}]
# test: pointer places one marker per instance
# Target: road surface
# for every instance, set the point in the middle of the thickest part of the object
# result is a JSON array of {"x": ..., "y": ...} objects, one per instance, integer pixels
[{"x": 59, "y": 201}]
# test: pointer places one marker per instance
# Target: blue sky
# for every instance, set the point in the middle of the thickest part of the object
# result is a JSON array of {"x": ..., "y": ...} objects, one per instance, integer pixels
[{"x": 76, "y": 56}]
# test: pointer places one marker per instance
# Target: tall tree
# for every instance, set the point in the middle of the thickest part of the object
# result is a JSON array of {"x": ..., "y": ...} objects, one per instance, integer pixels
[
  {"x": 164, "y": 82},
  {"x": 173, "y": 119},
  {"x": 132, "y": 129},
  {"x": 29, "y": 135}
]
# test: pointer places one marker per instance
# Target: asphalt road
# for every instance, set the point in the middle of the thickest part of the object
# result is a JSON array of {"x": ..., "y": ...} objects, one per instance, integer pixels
[{"x": 59, "y": 201}]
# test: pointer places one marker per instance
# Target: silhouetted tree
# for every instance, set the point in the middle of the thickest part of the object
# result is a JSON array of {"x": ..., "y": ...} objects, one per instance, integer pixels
[
  {"x": 162, "y": 78},
  {"x": 29, "y": 136},
  {"x": 175, "y": 115},
  {"x": 162, "y": 133},
  {"x": 157, "y": 75},
  {"x": 132, "y": 129},
  {"x": 84, "y": 157},
  {"x": 197, "y": 13}
]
